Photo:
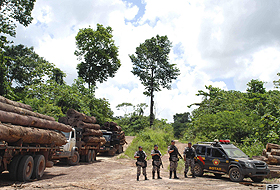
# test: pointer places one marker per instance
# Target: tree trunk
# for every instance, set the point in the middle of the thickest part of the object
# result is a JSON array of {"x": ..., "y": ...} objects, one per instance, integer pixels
[
  {"x": 71, "y": 113},
  {"x": 89, "y": 139},
  {"x": 270, "y": 146},
  {"x": 92, "y": 132},
  {"x": 275, "y": 152},
  {"x": 9, "y": 117},
  {"x": 152, "y": 101},
  {"x": 84, "y": 125},
  {"x": 13, "y": 133},
  {"x": 23, "y": 111},
  {"x": 17, "y": 104},
  {"x": 272, "y": 159}
]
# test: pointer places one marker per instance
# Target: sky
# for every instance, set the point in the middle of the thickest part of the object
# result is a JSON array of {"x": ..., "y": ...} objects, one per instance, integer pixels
[{"x": 220, "y": 43}]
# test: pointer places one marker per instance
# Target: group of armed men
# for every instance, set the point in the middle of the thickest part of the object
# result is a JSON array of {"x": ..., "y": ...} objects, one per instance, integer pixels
[{"x": 189, "y": 155}]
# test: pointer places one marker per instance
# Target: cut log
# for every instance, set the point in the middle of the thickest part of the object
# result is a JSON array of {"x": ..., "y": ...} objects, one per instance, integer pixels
[
  {"x": 92, "y": 132},
  {"x": 264, "y": 152},
  {"x": 89, "y": 139},
  {"x": 23, "y": 111},
  {"x": 272, "y": 159},
  {"x": 275, "y": 152},
  {"x": 17, "y": 119},
  {"x": 13, "y": 133},
  {"x": 270, "y": 146},
  {"x": 84, "y": 125},
  {"x": 17, "y": 104},
  {"x": 63, "y": 120},
  {"x": 73, "y": 122},
  {"x": 93, "y": 119},
  {"x": 83, "y": 117}
]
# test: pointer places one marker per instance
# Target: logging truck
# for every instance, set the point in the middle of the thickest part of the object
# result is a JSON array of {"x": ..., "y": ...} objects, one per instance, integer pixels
[
  {"x": 25, "y": 161},
  {"x": 113, "y": 144},
  {"x": 76, "y": 150}
]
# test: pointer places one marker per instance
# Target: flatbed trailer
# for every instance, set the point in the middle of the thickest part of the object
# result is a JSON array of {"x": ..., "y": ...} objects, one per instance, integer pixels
[{"x": 25, "y": 161}]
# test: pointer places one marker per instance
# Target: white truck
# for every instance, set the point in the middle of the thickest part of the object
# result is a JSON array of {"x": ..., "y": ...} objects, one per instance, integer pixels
[{"x": 76, "y": 150}]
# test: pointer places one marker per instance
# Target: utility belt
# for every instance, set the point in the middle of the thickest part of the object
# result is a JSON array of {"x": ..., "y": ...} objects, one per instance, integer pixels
[
  {"x": 173, "y": 159},
  {"x": 145, "y": 164}
]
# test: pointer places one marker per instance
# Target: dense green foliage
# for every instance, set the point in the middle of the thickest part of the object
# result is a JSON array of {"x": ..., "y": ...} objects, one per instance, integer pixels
[
  {"x": 250, "y": 119},
  {"x": 161, "y": 134},
  {"x": 151, "y": 65},
  {"x": 98, "y": 53}
]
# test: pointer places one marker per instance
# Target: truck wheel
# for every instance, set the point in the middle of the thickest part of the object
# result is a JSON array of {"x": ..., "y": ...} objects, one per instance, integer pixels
[
  {"x": 39, "y": 167},
  {"x": 13, "y": 168},
  {"x": 93, "y": 155},
  {"x": 25, "y": 168},
  {"x": 235, "y": 174},
  {"x": 257, "y": 179},
  {"x": 74, "y": 160},
  {"x": 198, "y": 170},
  {"x": 88, "y": 156}
]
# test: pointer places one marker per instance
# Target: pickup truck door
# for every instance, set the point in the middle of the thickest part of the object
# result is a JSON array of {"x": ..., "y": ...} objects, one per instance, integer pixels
[{"x": 216, "y": 160}]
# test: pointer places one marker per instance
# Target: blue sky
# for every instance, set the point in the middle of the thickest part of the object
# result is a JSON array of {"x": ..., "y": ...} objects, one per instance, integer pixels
[{"x": 219, "y": 43}]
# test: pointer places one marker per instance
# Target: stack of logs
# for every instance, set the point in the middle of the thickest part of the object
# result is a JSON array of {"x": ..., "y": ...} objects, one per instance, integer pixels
[
  {"x": 91, "y": 133},
  {"x": 20, "y": 125},
  {"x": 112, "y": 126},
  {"x": 272, "y": 154}
]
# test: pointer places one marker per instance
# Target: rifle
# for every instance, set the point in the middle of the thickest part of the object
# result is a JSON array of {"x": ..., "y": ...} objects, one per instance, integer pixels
[
  {"x": 175, "y": 149},
  {"x": 160, "y": 163}
]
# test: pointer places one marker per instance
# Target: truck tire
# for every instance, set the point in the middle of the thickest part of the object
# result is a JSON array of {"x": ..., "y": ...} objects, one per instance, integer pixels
[
  {"x": 39, "y": 166},
  {"x": 88, "y": 156},
  {"x": 198, "y": 170},
  {"x": 25, "y": 168},
  {"x": 257, "y": 179},
  {"x": 93, "y": 155},
  {"x": 13, "y": 167},
  {"x": 235, "y": 174},
  {"x": 74, "y": 160}
]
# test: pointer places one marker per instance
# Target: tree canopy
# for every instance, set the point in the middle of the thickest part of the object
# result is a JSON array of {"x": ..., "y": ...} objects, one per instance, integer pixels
[
  {"x": 151, "y": 65},
  {"x": 98, "y": 54}
]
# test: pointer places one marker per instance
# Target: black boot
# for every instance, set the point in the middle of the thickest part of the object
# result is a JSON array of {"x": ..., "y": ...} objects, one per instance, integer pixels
[
  {"x": 153, "y": 175},
  {"x": 158, "y": 176},
  {"x": 186, "y": 174},
  {"x": 170, "y": 175},
  {"x": 146, "y": 177},
  {"x": 175, "y": 176},
  {"x": 138, "y": 178},
  {"x": 193, "y": 175}
]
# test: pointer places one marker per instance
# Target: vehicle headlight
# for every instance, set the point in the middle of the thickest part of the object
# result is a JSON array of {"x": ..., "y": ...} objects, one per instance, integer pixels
[{"x": 249, "y": 165}]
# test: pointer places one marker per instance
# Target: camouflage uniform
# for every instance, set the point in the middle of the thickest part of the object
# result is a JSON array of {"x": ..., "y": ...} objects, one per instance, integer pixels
[
  {"x": 141, "y": 162},
  {"x": 189, "y": 154},
  {"x": 173, "y": 159},
  {"x": 156, "y": 162}
]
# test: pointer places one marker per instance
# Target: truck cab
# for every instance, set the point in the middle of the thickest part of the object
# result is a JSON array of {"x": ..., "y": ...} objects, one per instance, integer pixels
[{"x": 112, "y": 145}]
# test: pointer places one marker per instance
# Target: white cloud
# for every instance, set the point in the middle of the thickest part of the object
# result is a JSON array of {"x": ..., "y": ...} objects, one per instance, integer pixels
[{"x": 213, "y": 41}]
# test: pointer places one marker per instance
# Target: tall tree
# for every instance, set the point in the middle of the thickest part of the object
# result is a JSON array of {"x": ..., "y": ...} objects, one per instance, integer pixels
[
  {"x": 11, "y": 11},
  {"x": 151, "y": 65},
  {"x": 98, "y": 54}
]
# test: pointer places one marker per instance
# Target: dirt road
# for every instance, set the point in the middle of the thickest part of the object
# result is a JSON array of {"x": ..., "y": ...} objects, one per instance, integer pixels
[{"x": 120, "y": 173}]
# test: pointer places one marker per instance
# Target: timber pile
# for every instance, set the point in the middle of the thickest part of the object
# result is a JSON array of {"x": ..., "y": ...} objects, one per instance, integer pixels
[
  {"x": 20, "y": 125},
  {"x": 112, "y": 126},
  {"x": 90, "y": 132},
  {"x": 272, "y": 153}
]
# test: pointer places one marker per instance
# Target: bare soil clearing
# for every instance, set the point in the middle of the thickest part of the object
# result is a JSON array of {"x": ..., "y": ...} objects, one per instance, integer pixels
[{"x": 116, "y": 173}]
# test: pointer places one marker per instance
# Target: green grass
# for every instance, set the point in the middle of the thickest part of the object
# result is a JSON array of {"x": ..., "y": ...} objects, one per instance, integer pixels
[{"x": 147, "y": 139}]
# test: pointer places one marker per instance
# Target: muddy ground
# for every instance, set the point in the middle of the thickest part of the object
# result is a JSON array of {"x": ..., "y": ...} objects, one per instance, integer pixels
[{"x": 120, "y": 173}]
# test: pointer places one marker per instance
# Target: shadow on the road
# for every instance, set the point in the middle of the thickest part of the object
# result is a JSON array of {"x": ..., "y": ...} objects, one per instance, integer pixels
[{"x": 6, "y": 181}]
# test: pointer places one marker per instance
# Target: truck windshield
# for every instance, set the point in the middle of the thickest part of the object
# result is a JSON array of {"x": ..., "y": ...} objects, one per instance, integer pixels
[
  {"x": 235, "y": 153},
  {"x": 107, "y": 137},
  {"x": 66, "y": 135}
]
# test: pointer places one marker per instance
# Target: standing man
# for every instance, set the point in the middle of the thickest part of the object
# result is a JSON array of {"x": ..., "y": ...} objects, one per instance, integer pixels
[
  {"x": 156, "y": 156},
  {"x": 189, "y": 155},
  {"x": 141, "y": 162},
  {"x": 173, "y": 158}
]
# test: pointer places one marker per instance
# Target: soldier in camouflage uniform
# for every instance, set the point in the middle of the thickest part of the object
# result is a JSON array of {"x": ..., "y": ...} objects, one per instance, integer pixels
[
  {"x": 173, "y": 158},
  {"x": 141, "y": 162},
  {"x": 189, "y": 155},
  {"x": 156, "y": 156}
]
